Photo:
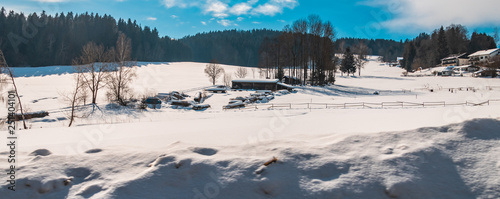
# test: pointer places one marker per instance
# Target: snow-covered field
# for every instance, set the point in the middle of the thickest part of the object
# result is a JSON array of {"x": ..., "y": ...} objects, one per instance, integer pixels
[{"x": 410, "y": 152}]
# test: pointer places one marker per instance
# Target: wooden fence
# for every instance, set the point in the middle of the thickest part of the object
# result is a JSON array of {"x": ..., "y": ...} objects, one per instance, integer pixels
[{"x": 380, "y": 105}]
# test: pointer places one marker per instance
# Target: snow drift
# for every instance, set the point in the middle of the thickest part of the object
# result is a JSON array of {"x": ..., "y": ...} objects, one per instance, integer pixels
[{"x": 453, "y": 161}]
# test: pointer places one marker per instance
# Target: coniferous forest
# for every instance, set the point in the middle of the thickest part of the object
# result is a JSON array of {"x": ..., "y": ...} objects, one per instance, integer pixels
[
  {"x": 43, "y": 40},
  {"x": 427, "y": 50}
]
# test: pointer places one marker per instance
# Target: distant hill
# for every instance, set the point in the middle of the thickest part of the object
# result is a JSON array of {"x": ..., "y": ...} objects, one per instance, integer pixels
[
  {"x": 388, "y": 49},
  {"x": 235, "y": 47},
  {"x": 58, "y": 39}
]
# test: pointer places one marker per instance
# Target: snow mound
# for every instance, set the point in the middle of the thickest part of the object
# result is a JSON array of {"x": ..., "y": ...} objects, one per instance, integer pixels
[
  {"x": 205, "y": 151},
  {"x": 40, "y": 152},
  {"x": 93, "y": 151},
  {"x": 454, "y": 161}
]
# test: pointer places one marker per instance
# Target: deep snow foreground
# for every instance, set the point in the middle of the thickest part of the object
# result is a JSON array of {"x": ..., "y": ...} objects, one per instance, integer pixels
[
  {"x": 453, "y": 161},
  {"x": 322, "y": 153}
]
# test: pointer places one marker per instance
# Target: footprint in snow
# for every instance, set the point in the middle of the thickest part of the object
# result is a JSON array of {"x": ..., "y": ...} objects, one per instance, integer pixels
[
  {"x": 205, "y": 151},
  {"x": 93, "y": 151},
  {"x": 40, "y": 152}
]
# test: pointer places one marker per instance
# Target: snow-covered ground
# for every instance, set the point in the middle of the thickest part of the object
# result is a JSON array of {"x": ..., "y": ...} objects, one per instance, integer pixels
[{"x": 410, "y": 152}]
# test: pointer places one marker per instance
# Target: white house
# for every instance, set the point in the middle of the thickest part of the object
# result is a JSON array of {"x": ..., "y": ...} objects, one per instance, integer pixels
[
  {"x": 483, "y": 55},
  {"x": 455, "y": 60}
]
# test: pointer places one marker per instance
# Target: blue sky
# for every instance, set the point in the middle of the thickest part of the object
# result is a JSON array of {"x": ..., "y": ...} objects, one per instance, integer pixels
[{"x": 388, "y": 19}]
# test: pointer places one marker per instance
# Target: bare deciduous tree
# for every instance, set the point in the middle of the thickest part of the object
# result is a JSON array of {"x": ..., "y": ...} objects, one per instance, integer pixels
[
  {"x": 122, "y": 72},
  {"x": 213, "y": 70},
  {"x": 241, "y": 72},
  {"x": 4, "y": 67},
  {"x": 227, "y": 79},
  {"x": 360, "y": 60},
  {"x": 76, "y": 97},
  {"x": 94, "y": 65}
]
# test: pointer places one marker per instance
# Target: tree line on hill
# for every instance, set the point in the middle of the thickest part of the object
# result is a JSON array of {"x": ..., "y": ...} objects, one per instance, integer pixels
[
  {"x": 233, "y": 47},
  {"x": 306, "y": 50},
  {"x": 389, "y": 50},
  {"x": 41, "y": 40},
  {"x": 427, "y": 50}
]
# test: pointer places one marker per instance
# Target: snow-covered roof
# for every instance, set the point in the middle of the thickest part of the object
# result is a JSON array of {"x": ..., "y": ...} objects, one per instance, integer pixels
[
  {"x": 464, "y": 66},
  {"x": 484, "y": 52},
  {"x": 286, "y": 85},
  {"x": 215, "y": 89},
  {"x": 455, "y": 56},
  {"x": 449, "y": 68},
  {"x": 256, "y": 81},
  {"x": 439, "y": 69}
]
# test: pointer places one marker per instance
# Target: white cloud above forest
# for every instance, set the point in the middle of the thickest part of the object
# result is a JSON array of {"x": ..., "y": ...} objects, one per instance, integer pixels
[
  {"x": 410, "y": 15},
  {"x": 222, "y": 10}
]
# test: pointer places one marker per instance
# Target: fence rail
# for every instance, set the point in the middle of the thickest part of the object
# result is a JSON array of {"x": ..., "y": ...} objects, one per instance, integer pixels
[{"x": 370, "y": 105}]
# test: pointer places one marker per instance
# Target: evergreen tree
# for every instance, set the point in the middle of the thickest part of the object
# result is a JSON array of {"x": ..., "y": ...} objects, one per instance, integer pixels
[
  {"x": 409, "y": 56},
  {"x": 427, "y": 51},
  {"x": 481, "y": 41},
  {"x": 348, "y": 65},
  {"x": 442, "y": 44}
]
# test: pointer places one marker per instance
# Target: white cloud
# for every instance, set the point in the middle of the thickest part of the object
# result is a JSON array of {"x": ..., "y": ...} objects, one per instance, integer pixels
[
  {"x": 268, "y": 9},
  {"x": 169, "y": 3},
  {"x": 226, "y": 22},
  {"x": 240, "y": 19},
  {"x": 50, "y": 1},
  {"x": 223, "y": 9},
  {"x": 180, "y": 3},
  {"x": 204, "y": 23},
  {"x": 174, "y": 16},
  {"x": 285, "y": 3},
  {"x": 151, "y": 18},
  {"x": 240, "y": 9},
  {"x": 274, "y": 7},
  {"x": 256, "y": 22},
  {"x": 216, "y": 8},
  {"x": 424, "y": 15}
]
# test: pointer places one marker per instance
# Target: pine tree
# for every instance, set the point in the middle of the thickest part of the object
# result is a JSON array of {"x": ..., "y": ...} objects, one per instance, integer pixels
[
  {"x": 409, "y": 56},
  {"x": 443, "y": 50},
  {"x": 348, "y": 65}
]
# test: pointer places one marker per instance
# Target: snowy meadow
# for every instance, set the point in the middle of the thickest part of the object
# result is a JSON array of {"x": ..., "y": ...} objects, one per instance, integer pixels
[{"x": 378, "y": 135}]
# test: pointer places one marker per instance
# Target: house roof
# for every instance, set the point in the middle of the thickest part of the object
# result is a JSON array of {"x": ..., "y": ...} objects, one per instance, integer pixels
[
  {"x": 454, "y": 56},
  {"x": 484, "y": 52},
  {"x": 464, "y": 66},
  {"x": 286, "y": 85},
  {"x": 271, "y": 81}
]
